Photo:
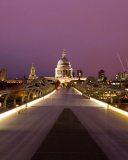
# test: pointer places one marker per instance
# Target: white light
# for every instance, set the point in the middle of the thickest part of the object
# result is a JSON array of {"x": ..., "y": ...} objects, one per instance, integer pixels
[
  {"x": 110, "y": 107},
  {"x": 99, "y": 102},
  {"x": 78, "y": 91},
  {"x": 23, "y": 106},
  {"x": 107, "y": 105},
  {"x": 39, "y": 99},
  {"x": 11, "y": 111},
  {"x": 118, "y": 110}
]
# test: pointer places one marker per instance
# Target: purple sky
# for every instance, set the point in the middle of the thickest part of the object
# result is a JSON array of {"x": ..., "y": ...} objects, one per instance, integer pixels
[{"x": 36, "y": 31}]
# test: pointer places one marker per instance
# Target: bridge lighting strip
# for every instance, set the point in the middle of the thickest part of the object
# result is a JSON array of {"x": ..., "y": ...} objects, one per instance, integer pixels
[
  {"x": 110, "y": 107},
  {"x": 107, "y": 105},
  {"x": 2, "y": 115},
  {"x": 118, "y": 110},
  {"x": 11, "y": 111},
  {"x": 37, "y": 100},
  {"x": 78, "y": 91},
  {"x": 99, "y": 102}
]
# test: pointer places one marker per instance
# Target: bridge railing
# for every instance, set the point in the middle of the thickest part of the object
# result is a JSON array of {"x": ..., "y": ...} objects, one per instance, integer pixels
[
  {"x": 15, "y": 97},
  {"x": 108, "y": 95}
]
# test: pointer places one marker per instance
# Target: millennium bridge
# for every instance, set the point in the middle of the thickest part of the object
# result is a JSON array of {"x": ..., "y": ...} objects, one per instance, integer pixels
[{"x": 81, "y": 122}]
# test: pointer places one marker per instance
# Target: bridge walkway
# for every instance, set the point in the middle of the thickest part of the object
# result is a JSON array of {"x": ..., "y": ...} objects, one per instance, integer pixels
[{"x": 22, "y": 133}]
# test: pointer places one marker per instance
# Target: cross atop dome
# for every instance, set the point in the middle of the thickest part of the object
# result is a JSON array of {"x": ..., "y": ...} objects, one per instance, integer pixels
[{"x": 63, "y": 55}]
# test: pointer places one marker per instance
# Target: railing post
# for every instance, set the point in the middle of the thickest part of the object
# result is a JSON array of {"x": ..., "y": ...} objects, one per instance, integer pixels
[{"x": 5, "y": 100}]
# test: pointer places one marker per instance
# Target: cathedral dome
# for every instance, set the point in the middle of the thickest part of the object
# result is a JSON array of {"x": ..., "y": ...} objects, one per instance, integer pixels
[
  {"x": 63, "y": 61},
  {"x": 63, "y": 67}
]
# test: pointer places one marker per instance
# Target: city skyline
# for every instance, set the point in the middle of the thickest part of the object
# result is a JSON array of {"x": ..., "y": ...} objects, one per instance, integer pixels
[{"x": 92, "y": 33}]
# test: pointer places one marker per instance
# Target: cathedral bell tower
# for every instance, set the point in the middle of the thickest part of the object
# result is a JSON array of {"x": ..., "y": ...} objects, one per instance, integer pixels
[{"x": 32, "y": 72}]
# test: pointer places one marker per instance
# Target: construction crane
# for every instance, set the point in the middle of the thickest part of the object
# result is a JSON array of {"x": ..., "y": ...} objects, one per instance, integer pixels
[{"x": 121, "y": 62}]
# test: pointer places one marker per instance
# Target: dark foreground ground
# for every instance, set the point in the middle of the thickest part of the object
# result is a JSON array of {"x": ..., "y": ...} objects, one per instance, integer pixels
[{"x": 68, "y": 140}]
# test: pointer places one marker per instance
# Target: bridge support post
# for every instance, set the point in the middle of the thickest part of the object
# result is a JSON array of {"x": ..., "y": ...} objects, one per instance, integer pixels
[
  {"x": 105, "y": 95},
  {"x": 100, "y": 95},
  {"x": 96, "y": 94},
  {"x": 119, "y": 102},
  {"x": 5, "y": 100},
  {"x": 111, "y": 99},
  {"x": 23, "y": 97},
  {"x": 14, "y": 103}
]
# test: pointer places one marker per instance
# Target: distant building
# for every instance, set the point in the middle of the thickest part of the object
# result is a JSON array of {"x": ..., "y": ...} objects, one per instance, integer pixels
[
  {"x": 79, "y": 73},
  {"x": 101, "y": 76},
  {"x": 63, "y": 67},
  {"x": 122, "y": 76},
  {"x": 3, "y": 74},
  {"x": 119, "y": 84},
  {"x": 18, "y": 80},
  {"x": 64, "y": 73},
  {"x": 32, "y": 72}
]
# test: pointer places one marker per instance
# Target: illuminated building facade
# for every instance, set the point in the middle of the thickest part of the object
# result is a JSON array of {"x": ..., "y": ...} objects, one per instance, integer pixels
[
  {"x": 122, "y": 76},
  {"x": 3, "y": 74},
  {"x": 32, "y": 72},
  {"x": 18, "y": 80},
  {"x": 63, "y": 67}
]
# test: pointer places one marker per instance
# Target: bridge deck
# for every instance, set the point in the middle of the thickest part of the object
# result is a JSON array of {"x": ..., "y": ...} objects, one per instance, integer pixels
[
  {"x": 68, "y": 140},
  {"x": 21, "y": 134}
]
